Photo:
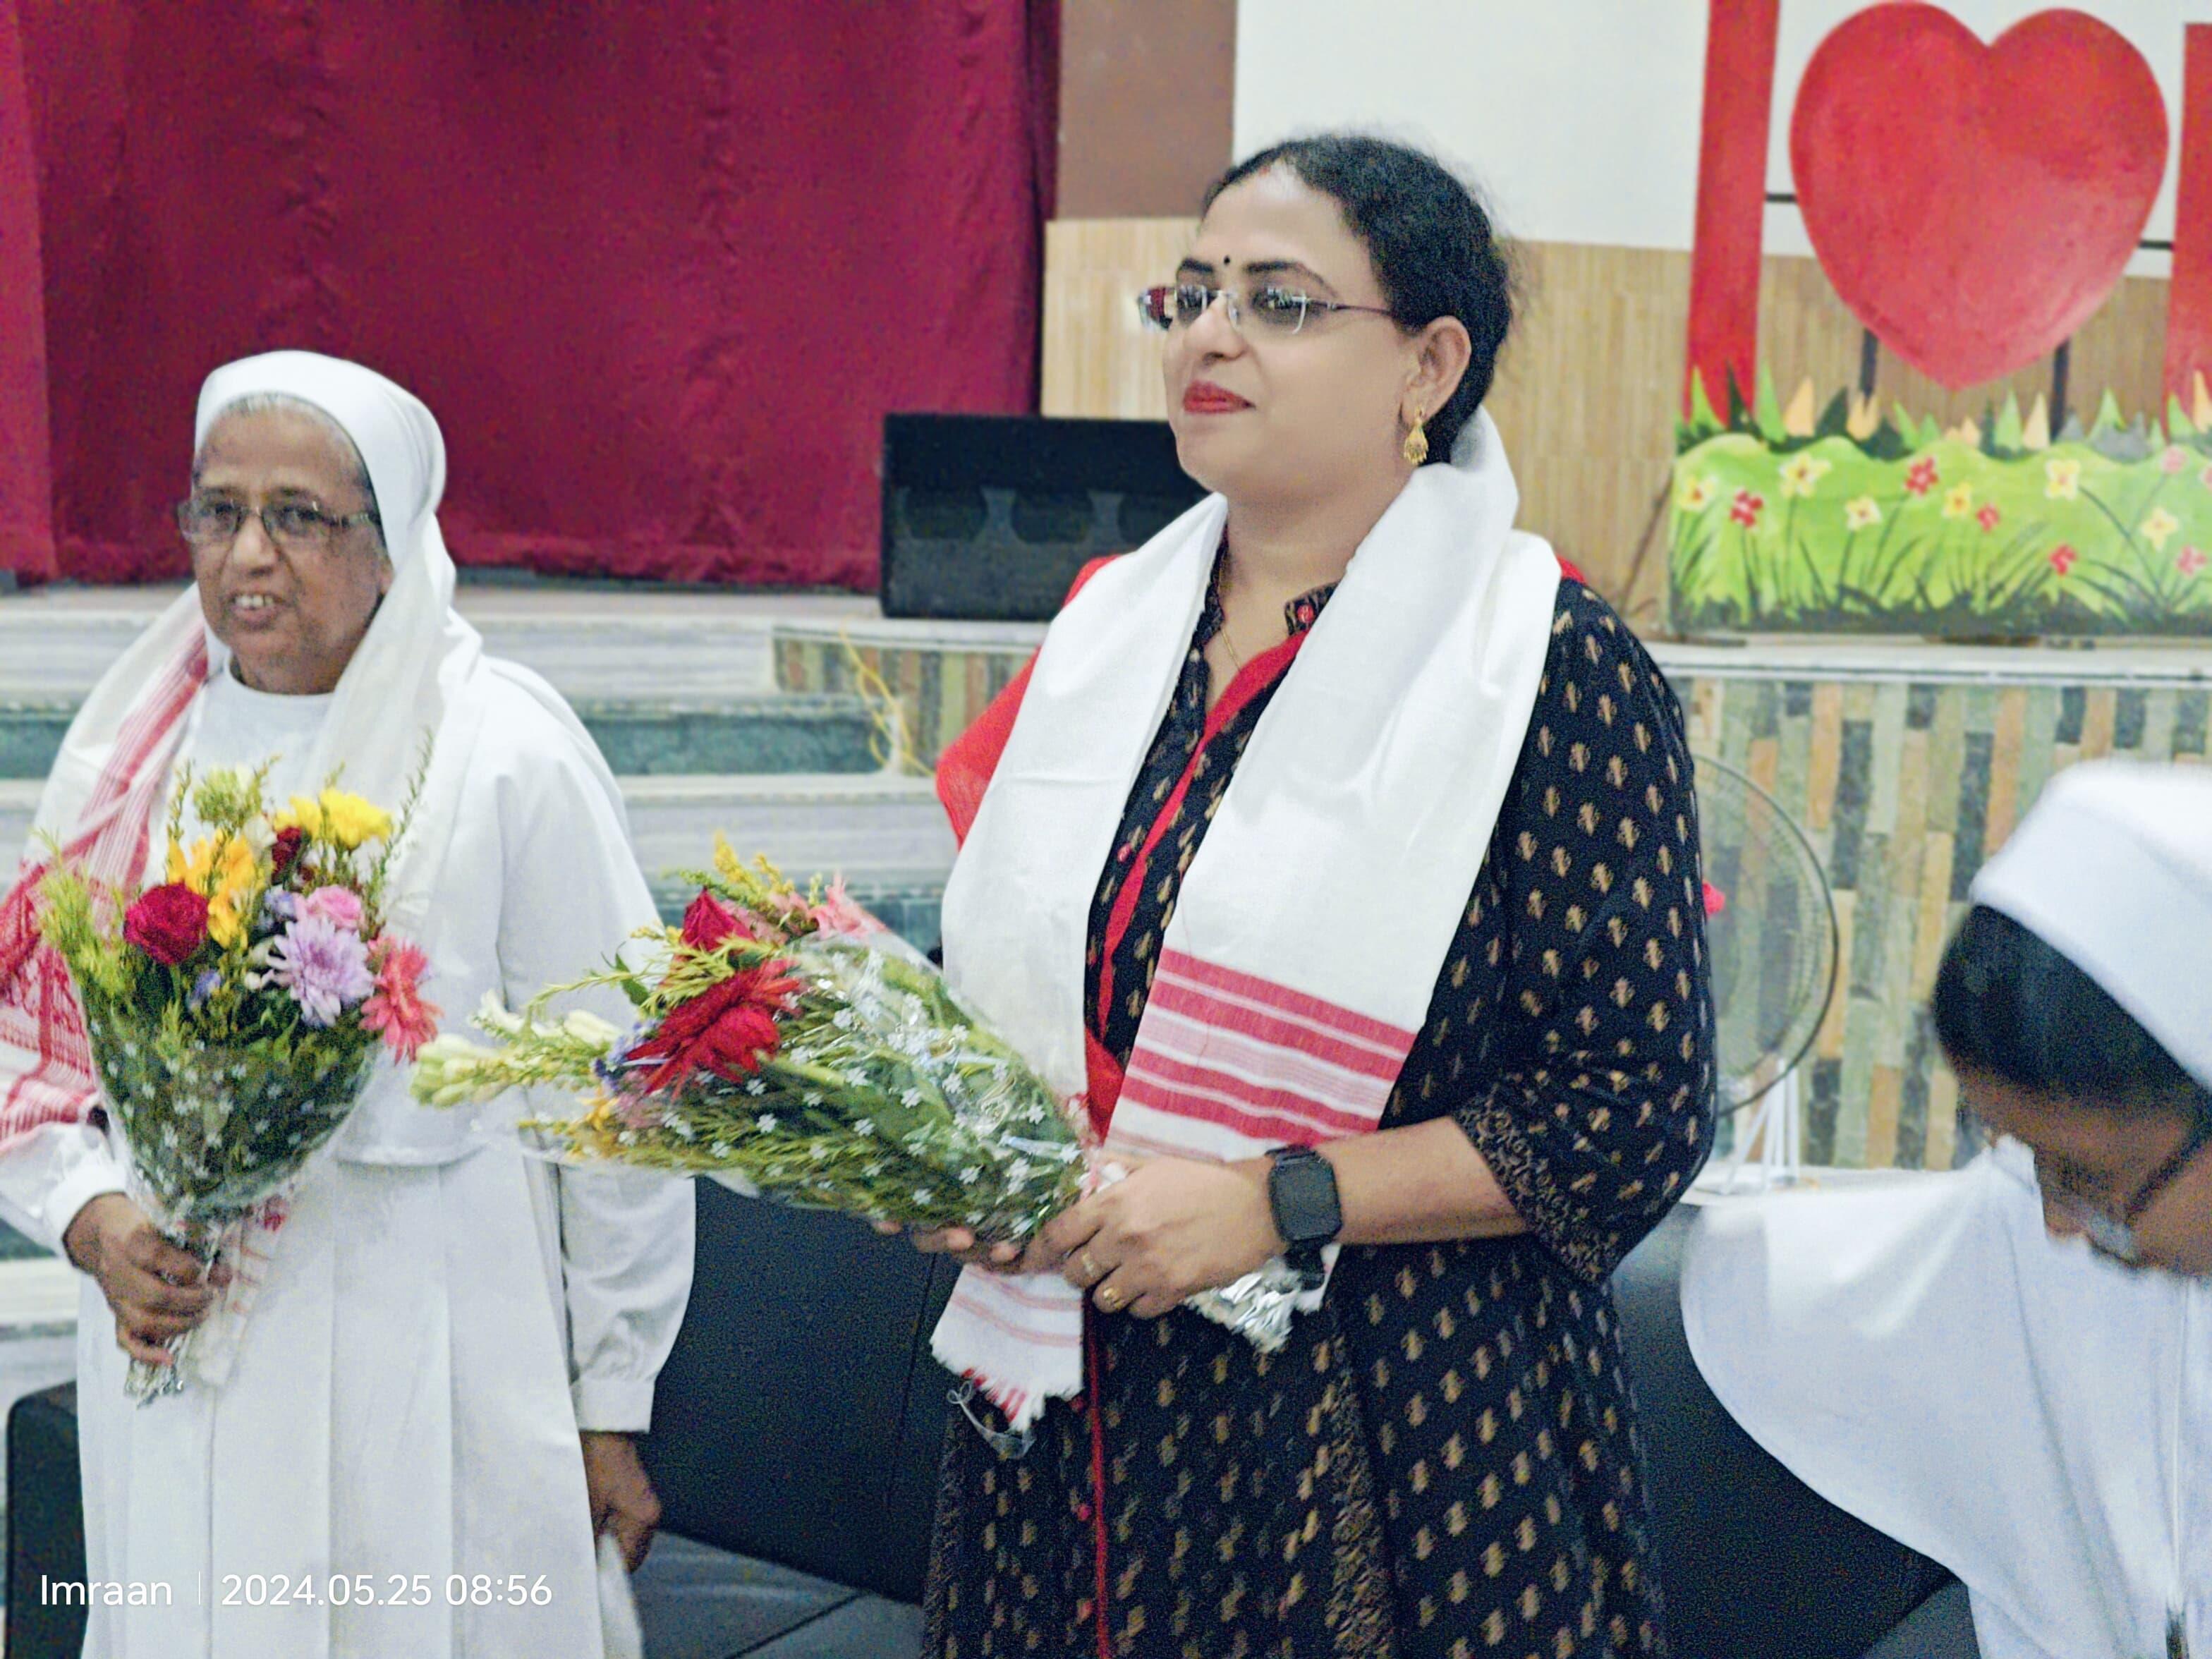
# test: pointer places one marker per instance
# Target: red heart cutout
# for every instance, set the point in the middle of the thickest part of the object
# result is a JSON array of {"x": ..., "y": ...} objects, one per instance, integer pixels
[{"x": 1973, "y": 204}]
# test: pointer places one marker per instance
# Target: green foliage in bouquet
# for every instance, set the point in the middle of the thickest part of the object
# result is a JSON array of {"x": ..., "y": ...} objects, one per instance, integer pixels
[
  {"x": 234, "y": 1009},
  {"x": 787, "y": 1046}
]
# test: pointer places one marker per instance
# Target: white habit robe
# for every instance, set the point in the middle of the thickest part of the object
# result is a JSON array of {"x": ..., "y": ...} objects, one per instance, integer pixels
[
  {"x": 2034, "y": 1417},
  {"x": 434, "y": 1326}
]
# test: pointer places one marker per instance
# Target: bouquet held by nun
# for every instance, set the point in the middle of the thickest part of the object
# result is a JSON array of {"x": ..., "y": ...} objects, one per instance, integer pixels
[{"x": 232, "y": 1010}]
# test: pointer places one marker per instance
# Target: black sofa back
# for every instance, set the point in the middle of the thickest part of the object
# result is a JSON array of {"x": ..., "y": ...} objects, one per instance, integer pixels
[{"x": 800, "y": 1417}]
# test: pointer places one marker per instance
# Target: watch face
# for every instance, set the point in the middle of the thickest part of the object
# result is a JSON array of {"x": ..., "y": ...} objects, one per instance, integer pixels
[{"x": 1303, "y": 1191}]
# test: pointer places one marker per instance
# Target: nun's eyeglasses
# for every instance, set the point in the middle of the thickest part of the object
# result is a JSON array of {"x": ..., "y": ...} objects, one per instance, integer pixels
[
  {"x": 299, "y": 526},
  {"x": 2109, "y": 1233}
]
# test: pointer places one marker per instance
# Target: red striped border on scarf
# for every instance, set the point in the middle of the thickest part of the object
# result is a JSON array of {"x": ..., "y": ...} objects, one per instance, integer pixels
[
  {"x": 38, "y": 1012},
  {"x": 1227, "y": 1063}
]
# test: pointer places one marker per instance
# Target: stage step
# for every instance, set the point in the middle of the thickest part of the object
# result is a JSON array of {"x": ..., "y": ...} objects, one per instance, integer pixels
[
  {"x": 649, "y": 736},
  {"x": 884, "y": 833},
  {"x": 589, "y": 642}
]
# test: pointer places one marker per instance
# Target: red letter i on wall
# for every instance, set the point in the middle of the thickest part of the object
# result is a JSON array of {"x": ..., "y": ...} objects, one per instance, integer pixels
[
  {"x": 1739, "y": 108},
  {"x": 2189, "y": 313}
]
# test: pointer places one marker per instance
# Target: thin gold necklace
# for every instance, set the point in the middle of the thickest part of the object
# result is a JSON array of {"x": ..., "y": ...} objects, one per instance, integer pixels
[{"x": 1235, "y": 657}]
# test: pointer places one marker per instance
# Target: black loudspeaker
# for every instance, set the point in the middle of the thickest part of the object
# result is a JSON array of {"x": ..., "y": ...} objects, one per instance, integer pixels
[
  {"x": 45, "y": 1528},
  {"x": 988, "y": 517}
]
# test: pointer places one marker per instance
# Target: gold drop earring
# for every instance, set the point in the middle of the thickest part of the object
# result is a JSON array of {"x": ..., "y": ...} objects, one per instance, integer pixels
[{"x": 1416, "y": 447}]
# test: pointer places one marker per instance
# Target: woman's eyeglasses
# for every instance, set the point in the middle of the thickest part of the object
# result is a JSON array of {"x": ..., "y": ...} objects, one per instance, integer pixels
[
  {"x": 1272, "y": 310},
  {"x": 208, "y": 521}
]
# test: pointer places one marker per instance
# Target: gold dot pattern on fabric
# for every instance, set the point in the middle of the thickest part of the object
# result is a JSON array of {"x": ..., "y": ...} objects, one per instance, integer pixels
[{"x": 1446, "y": 1463}]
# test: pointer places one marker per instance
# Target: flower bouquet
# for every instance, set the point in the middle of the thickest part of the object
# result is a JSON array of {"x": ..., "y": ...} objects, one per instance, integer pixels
[
  {"x": 788, "y": 1047},
  {"x": 232, "y": 1011}
]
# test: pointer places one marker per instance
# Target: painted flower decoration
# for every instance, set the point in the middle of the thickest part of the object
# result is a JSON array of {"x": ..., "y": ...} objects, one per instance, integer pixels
[
  {"x": 2205, "y": 477},
  {"x": 395, "y": 1009},
  {"x": 2174, "y": 462},
  {"x": 2063, "y": 558},
  {"x": 2062, "y": 479},
  {"x": 1697, "y": 494},
  {"x": 1959, "y": 503},
  {"x": 324, "y": 966},
  {"x": 1747, "y": 508},
  {"x": 2158, "y": 528},
  {"x": 2190, "y": 560},
  {"x": 1921, "y": 477},
  {"x": 1989, "y": 518},
  {"x": 1861, "y": 513},
  {"x": 1801, "y": 476}
]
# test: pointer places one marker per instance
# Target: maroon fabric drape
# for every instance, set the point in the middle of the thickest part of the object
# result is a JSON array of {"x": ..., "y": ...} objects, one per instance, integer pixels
[
  {"x": 660, "y": 269},
  {"x": 26, "y": 531}
]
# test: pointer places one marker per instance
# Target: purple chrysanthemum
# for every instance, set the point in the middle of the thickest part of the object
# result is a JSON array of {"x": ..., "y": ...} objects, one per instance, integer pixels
[{"x": 324, "y": 968}]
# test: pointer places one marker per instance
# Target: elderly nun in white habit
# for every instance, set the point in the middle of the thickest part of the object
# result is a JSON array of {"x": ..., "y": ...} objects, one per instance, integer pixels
[
  {"x": 430, "y": 1390},
  {"x": 2009, "y": 1369}
]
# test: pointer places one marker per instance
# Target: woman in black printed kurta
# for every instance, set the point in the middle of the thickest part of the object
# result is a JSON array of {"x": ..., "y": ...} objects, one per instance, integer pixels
[
  {"x": 1464, "y": 1401},
  {"x": 1444, "y": 1460}
]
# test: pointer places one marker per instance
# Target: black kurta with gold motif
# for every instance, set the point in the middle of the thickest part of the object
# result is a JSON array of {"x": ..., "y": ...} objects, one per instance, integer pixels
[{"x": 1444, "y": 1461}]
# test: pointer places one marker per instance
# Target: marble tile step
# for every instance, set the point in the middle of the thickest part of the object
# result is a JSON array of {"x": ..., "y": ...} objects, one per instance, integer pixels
[
  {"x": 883, "y": 832},
  {"x": 646, "y": 735},
  {"x": 56, "y": 642}
]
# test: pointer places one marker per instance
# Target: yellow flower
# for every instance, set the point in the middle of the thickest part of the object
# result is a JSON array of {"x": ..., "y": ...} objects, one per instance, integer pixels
[
  {"x": 229, "y": 881},
  {"x": 2062, "y": 480},
  {"x": 1959, "y": 503},
  {"x": 341, "y": 818},
  {"x": 1802, "y": 474},
  {"x": 2159, "y": 528},
  {"x": 348, "y": 820},
  {"x": 1697, "y": 494},
  {"x": 304, "y": 813},
  {"x": 200, "y": 867},
  {"x": 1863, "y": 513}
]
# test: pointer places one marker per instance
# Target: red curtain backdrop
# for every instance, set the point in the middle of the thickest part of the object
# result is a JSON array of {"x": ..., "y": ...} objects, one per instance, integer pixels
[{"x": 659, "y": 270}]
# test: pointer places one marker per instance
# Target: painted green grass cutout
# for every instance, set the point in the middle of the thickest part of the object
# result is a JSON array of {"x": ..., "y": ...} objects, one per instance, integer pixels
[{"x": 1857, "y": 520}]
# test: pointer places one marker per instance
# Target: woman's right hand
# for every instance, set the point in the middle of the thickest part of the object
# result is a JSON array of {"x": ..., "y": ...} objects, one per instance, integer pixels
[
  {"x": 960, "y": 1244},
  {"x": 156, "y": 1291}
]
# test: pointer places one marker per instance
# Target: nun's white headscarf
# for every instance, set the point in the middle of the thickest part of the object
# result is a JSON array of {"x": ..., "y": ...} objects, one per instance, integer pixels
[
  {"x": 2113, "y": 869},
  {"x": 408, "y": 676}
]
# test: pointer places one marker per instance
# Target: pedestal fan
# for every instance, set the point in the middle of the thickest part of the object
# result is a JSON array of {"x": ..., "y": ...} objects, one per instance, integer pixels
[{"x": 1773, "y": 943}]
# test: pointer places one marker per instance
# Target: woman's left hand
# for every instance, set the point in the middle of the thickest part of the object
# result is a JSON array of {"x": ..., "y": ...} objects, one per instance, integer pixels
[{"x": 1174, "y": 1227}]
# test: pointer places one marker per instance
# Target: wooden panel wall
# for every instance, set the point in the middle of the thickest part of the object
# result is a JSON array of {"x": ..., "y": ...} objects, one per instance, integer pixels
[
  {"x": 1587, "y": 394},
  {"x": 1145, "y": 90}
]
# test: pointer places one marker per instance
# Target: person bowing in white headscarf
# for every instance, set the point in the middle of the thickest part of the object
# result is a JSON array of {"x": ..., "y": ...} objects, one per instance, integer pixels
[
  {"x": 410, "y": 1404},
  {"x": 2009, "y": 1368}
]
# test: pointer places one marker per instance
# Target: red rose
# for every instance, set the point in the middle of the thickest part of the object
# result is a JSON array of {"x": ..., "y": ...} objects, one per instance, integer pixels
[
  {"x": 709, "y": 922},
  {"x": 167, "y": 923},
  {"x": 728, "y": 1031},
  {"x": 289, "y": 840}
]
